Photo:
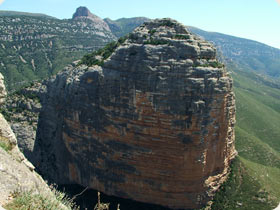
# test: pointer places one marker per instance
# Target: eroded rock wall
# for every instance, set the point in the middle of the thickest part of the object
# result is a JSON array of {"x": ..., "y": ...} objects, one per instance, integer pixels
[{"x": 155, "y": 123}]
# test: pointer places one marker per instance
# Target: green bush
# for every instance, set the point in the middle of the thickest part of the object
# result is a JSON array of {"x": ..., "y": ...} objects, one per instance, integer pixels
[
  {"x": 152, "y": 31},
  {"x": 214, "y": 64},
  {"x": 167, "y": 23}
]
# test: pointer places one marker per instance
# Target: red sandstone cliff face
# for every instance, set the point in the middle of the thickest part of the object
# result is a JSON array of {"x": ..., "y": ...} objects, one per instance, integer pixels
[{"x": 154, "y": 124}]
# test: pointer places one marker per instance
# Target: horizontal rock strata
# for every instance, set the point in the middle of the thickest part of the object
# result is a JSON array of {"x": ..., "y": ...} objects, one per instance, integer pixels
[{"x": 155, "y": 123}]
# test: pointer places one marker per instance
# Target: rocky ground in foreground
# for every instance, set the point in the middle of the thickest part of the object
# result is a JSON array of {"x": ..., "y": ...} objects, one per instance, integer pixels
[{"x": 17, "y": 174}]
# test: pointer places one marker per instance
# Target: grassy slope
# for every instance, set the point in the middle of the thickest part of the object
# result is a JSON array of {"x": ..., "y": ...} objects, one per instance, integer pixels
[
  {"x": 255, "y": 181},
  {"x": 258, "y": 132},
  {"x": 241, "y": 191}
]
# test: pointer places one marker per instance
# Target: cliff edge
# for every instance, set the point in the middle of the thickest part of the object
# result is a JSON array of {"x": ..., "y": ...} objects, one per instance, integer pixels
[{"x": 150, "y": 118}]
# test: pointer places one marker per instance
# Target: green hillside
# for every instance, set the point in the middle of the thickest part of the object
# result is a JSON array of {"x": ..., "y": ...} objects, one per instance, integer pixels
[
  {"x": 258, "y": 131},
  {"x": 254, "y": 183},
  {"x": 36, "y": 47}
]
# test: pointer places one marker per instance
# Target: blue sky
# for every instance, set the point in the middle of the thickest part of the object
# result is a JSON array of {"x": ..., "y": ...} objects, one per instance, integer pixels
[{"x": 253, "y": 19}]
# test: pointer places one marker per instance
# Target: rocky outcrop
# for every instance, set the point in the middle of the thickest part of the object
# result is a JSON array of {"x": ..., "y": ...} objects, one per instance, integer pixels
[
  {"x": 16, "y": 172},
  {"x": 3, "y": 92},
  {"x": 154, "y": 123}
]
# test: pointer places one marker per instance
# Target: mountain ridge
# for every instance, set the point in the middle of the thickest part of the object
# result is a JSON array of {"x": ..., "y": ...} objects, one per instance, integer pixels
[
  {"x": 123, "y": 26},
  {"x": 193, "y": 28},
  {"x": 17, "y": 13}
]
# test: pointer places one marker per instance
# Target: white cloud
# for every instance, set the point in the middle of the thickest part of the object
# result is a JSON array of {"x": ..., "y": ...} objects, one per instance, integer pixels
[
  {"x": 1, "y": 1},
  {"x": 278, "y": 1}
]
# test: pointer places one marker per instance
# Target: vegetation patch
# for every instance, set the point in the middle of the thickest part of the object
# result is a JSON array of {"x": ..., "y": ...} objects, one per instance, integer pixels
[
  {"x": 167, "y": 23},
  {"x": 151, "y": 32},
  {"x": 104, "y": 53},
  {"x": 241, "y": 191},
  {"x": 5, "y": 144},
  {"x": 31, "y": 201},
  {"x": 156, "y": 42},
  {"x": 214, "y": 64}
]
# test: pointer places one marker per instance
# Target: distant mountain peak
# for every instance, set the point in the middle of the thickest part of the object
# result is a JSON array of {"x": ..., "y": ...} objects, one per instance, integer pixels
[{"x": 84, "y": 13}]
